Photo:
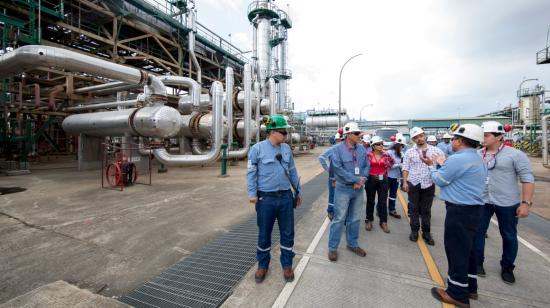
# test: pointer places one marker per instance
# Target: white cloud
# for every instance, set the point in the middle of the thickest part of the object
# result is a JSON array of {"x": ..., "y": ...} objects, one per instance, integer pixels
[{"x": 420, "y": 58}]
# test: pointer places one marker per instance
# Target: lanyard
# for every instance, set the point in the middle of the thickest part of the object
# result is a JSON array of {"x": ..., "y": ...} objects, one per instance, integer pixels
[
  {"x": 424, "y": 153},
  {"x": 493, "y": 157},
  {"x": 353, "y": 154}
]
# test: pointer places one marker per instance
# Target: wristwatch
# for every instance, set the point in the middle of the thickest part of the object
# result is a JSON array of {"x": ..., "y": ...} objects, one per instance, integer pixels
[{"x": 529, "y": 203}]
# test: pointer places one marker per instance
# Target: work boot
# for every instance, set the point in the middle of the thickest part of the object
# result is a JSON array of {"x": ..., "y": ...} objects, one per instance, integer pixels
[
  {"x": 394, "y": 214},
  {"x": 260, "y": 274},
  {"x": 507, "y": 275},
  {"x": 480, "y": 270},
  {"x": 414, "y": 236},
  {"x": 288, "y": 273},
  {"x": 368, "y": 225},
  {"x": 442, "y": 296},
  {"x": 385, "y": 227},
  {"x": 358, "y": 251},
  {"x": 333, "y": 255},
  {"x": 427, "y": 236}
]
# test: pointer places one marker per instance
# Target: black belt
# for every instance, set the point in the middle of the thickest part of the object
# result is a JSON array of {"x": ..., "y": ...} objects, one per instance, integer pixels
[
  {"x": 450, "y": 204},
  {"x": 273, "y": 193}
]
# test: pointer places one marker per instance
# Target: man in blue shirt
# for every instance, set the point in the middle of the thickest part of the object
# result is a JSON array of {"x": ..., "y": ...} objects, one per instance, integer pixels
[
  {"x": 271, "y": 174},
  {"x": 445, "y": 145},
  {"x": 351, "y": 169},
  {"x": 325, "y": 160},
  {"x": 461, "y": 178}
]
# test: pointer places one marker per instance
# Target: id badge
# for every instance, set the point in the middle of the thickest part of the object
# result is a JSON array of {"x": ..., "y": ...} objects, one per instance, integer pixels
[
  {"x": 380, "y": 177},
  {"x": 356, "y": 170}
]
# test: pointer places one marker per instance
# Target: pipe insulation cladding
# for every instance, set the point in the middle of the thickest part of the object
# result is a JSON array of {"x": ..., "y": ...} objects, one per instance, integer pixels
[{"x": 153, "y": 121}]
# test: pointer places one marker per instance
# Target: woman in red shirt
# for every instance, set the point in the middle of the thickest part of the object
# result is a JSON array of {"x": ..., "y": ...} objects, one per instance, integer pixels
[{"x": 377, "y": 183}]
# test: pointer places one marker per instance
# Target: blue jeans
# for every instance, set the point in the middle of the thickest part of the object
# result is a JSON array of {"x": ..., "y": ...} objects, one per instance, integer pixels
[
  {"x": 348, "y": 204},
  {"x": 330, "y": 207},
  {"x": 507, "y": 225},
  {"x": 393, "y": 186},
  {"x": 271, "y": 206}
]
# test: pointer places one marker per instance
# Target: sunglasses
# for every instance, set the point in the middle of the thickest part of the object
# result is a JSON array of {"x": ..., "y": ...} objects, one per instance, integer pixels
[
  {"x": 282, "y": 132},
  {"x": 356, "y": 133}
]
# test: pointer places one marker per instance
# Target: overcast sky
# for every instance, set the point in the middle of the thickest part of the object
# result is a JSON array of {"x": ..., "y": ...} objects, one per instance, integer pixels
[{"x": 424, "y": 58}]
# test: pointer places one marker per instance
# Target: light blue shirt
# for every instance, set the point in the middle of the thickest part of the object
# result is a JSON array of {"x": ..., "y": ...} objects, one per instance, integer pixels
[
  {"x": 446, "y": 148},
  {"x": 395, "y": 171},
  {"x": 345, "y": 161},
  {"x": 462, "y": 178},
  {"x": 326, "y": 161},
  {"x": 266, "y": 173}
]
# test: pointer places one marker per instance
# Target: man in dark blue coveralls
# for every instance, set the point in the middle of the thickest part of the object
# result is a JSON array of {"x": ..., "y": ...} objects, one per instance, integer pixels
[{"x": 271, "y": 174}]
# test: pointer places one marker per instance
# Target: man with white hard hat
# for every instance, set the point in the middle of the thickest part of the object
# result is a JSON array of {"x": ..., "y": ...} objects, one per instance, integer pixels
[
  {"x": 326, "y": 162},
  {"x": 418, "y": 183},
  {"x": 351, "y": 170},
  {"x": 445, "y": 145},
  {"x": 432, "y": 140},
  {"x": 506, "y": 165},
  {"x": 461, "y": 179}
]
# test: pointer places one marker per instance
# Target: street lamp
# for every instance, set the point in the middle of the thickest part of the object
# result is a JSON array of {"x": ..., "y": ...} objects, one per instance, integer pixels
[
  {"x": 361, "y": 112},
  {"x": 340, "y": 90}
]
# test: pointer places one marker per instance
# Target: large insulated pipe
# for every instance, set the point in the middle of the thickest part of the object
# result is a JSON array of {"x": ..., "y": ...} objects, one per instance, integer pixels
[
  {"x": 545, "y": 140},
  {"x": 258, "y": 106},
  {"x": 152, "y": 121},
  {"x": 185, "y": 81},
  {"x": 229, "y": 79},
  {"x": 128, "y": 103},
  {"x": 99, "y": 87},
  {"x": 192, "y": 25},
  {"x": 247, "y": 81},
  {"x": 189, "y": 160},
  {"x": 28, "y": 57}
]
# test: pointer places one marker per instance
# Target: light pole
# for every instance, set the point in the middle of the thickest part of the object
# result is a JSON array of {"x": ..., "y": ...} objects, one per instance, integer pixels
[
  {"x": 361, "y": 112},
  {"x": 340, "y": 90}
]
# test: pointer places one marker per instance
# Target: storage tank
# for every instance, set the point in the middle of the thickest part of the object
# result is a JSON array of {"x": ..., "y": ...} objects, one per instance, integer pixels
[
  {"x": 326, "y": 121},
  {"x": 529, "y": 108}
]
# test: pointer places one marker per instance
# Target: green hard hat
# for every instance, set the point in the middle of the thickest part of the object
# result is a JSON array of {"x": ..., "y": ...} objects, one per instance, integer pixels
[{"x": 276, "y": 121}]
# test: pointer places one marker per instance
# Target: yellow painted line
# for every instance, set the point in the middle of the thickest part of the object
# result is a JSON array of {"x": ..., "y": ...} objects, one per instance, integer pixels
[{"x": 428, "y": 259}]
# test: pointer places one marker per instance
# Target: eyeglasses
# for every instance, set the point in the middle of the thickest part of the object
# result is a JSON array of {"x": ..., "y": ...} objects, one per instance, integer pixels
[
  {"x": 356, "y": 133},
  {"x": 282, "y": 132}
]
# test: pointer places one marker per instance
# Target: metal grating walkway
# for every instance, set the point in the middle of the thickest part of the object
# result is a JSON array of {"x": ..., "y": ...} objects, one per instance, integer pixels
[{"x": 208, "y": 276}]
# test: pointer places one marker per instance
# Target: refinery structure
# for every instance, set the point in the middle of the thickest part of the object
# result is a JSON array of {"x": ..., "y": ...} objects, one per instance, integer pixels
[{"x": 136, "y": 77}]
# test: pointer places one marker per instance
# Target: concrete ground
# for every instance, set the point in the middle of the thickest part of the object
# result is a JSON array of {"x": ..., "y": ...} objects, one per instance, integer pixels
[{"x": 66, "y": 227}]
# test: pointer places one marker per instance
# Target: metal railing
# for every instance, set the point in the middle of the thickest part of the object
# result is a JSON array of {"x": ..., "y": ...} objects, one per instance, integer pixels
[{"x": 543, "y": 56}]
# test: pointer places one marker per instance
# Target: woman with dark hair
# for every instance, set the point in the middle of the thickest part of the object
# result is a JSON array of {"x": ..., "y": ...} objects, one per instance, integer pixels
[
  {"x": 394, "y": 175},
  {"x": 377, "y": 184}
]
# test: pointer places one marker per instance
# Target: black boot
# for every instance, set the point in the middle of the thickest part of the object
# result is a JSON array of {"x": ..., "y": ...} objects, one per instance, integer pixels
[
  {"x": 414, "y": 236},
  {"x": 427, "y": 236},
  {"x": 507, "y": 274}
]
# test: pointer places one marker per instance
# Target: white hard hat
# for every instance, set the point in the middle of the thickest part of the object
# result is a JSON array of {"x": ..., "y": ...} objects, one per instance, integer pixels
[
  {"x": 337, "y": 136},
  {"x": 447, "y": 136},
  {"x": 351, "y": 127},
  {"x": 432, "y": 138},
  {"x": 366, "y": 138},
  {"x": 376, "y": 139},
  {"x": 493, "y": 127},
  {"x": 399, "y": 138},
  {"x": 470, "y": 131},
  {"x": 415, "y": 131}
]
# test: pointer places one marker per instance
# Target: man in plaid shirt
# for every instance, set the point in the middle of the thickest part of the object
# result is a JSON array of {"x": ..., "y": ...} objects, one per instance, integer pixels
[{"x": 417, "y": 182}]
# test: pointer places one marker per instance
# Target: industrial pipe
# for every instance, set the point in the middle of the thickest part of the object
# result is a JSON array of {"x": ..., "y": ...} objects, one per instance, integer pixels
[
  {"x": 189, "y": 160},
  {"x": 99, "y": 87},
  {"x": 258, "y": 106},
  {"x": 247, "y": 81},
  {"x": 229, "y": 105},
  {"x": 272, "y": 97},
  {"x": 191, "y": 43},
  {"x": 545, "y": 140},
  {"x": 127, "y": 103},
  {"x": 28, "y": 57},
  {"x": 152, "y": 121},
  {"x": 185, "y": 81}
]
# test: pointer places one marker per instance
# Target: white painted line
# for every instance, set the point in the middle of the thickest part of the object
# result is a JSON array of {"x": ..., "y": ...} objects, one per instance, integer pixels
[
  {"x": 527, "y": 244},
  {"x": 285, "y": 294}
]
